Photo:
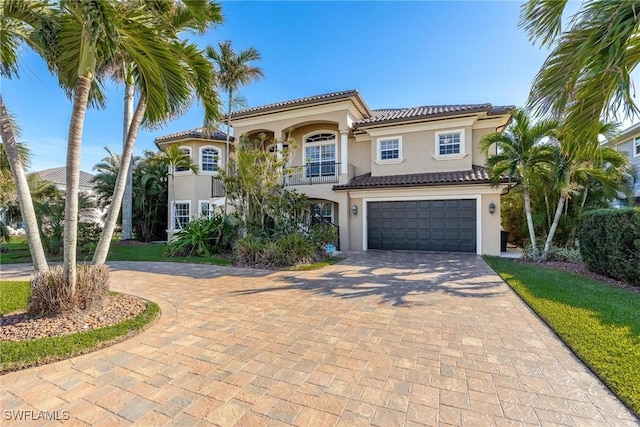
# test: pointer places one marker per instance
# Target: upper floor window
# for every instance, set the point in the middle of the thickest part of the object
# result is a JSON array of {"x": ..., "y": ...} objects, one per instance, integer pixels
[
  {"x": 636, "y": 149},
  {"x": 209, "y": 159},
  {"x": 450, "y": 143},
  {"x": 320, "y": 154},
  {"x": 187, "y": 152},
  {"x": 390, "y": 149}
]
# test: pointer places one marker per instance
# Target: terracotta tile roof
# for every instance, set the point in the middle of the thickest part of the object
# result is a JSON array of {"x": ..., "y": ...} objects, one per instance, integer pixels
[
  {"x": 58, "y": 176},
  {"x": 399, "y": 114},
  {"x": 477, "y": 175},
  {"x": 197, "y": 133},
  {"x": 300, "y": 101}
]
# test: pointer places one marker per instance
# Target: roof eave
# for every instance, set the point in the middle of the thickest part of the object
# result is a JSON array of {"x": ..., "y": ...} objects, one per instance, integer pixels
[{"x": 433, "y": 184}]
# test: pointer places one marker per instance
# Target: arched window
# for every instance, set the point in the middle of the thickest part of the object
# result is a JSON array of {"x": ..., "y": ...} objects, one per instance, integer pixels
[
  {"x": 320, "y": 154},
  {"x": 209, "y": 159}
]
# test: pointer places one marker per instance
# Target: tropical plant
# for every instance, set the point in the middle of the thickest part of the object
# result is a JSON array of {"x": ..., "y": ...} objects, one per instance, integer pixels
[
  {"x": 576, "y": 164},
  {"x": 150, "y": 190},
  {"x": 587, "y": 75},
  {"x": 520, "y": 155},
  {"x": 234, "y": 69},
  {"x": 22, "y": 21},
  {"x": 104, "y": 181},
  {"x": 185, "y": 73},
  {"x": 200, "y": 237}
]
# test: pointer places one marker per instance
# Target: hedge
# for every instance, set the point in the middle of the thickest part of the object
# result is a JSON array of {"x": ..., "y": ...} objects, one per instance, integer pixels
[{"x": 610, "y": 243}]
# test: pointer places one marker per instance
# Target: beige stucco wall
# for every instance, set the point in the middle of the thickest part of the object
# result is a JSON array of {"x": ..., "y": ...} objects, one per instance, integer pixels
[
  {"x": 490, "y": 225},
  {"x": 360, "y": 156}
]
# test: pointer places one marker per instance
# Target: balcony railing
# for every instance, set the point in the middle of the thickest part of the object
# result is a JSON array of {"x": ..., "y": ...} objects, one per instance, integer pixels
[
  {"x": 217, "y": 189},
  {"x": 313, "y": 173}
]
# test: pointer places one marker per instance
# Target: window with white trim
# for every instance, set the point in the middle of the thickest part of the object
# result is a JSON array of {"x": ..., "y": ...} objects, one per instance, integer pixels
[
  {"x": 636, "y": 149},
  {"x": 181, "y": 214},
  {"x": 205, "y": 210},
  {"x": 209, "y": 159},
  {"x": 320, "y": 154},
  {"x": 450, "y": 143},
  {"x": 321, "y": 212},
  {"x": 390, "y": 149},
  {"x": 187, "y": 152}
]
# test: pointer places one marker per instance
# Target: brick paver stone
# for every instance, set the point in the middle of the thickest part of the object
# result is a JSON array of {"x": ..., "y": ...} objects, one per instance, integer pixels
[{"x": 382, "y": 338}]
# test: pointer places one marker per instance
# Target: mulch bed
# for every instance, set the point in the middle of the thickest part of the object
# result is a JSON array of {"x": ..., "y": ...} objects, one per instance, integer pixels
[
  {"x": 117, "y": 308},
  {"x": 582, "y": 270}
]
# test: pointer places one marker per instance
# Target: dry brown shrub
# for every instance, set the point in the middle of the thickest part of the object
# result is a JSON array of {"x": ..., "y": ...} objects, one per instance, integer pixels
[{"x": 51, "y": 295}]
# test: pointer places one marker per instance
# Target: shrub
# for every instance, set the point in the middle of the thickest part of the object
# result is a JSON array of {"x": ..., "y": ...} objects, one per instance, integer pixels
[
  {"x": 284, "y": 251},
  {"x": 204, "y": 237},
  {"x": 610, "y": 243},
  {"x": 51, "y": 295}
]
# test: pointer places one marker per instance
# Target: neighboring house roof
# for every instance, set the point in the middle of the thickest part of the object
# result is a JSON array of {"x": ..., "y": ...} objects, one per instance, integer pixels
[
  {"x": 58, "y": 176},
  {"x": 478, "y": 175},
  {"x": 628, "y": 132},
  {"x": 309, "y": 100},
  {"x": 389, "y": 115},
  {"x": 198, "y": 133}
]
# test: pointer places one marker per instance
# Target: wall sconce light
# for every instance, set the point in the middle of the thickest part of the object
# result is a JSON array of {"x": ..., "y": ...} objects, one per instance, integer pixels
[
  {"x": 492, "y": 208},
  {"x": 354, "y": 209}
]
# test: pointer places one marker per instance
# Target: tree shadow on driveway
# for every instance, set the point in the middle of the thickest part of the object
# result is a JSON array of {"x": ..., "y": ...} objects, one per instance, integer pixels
[{"x": 397, "y": 278}]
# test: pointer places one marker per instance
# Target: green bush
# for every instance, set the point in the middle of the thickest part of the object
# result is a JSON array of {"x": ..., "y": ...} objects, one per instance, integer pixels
[
  {"x": 610, "y": 243},
  {"x": 284, "y": 251},
  {"x": 204, "y": 237}
]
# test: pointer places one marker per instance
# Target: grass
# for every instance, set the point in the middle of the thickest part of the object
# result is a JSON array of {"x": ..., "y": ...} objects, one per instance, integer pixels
[
  {"x": 13, "y": 296},
  {"x": 599, "y": 322},
  {"x": 18, "y": 252},
  {"x": 23, "y": 354}
]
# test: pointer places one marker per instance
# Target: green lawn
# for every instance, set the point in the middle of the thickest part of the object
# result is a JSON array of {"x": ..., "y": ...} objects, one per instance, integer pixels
[
  {"x": 23, "y": 354},
  {"x": 13, "y": 296},
  {"x": 599, "y": 322},
  {"x": 19, "y": 253}
]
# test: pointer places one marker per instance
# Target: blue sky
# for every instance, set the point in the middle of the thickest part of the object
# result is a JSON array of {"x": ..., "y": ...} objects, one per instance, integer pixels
[{"x": 397, "y": 54}]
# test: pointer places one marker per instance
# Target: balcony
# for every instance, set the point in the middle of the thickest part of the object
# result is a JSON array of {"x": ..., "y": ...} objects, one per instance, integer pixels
[{"x": 313, "y": 173}]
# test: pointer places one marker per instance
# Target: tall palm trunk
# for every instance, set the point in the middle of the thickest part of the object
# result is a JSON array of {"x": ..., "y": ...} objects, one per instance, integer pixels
[
  {"x": 100, "y": 255},
  {"x": 22, "y": 188},
  {"x": 74, "y": 145},
  {"x": 527, "y": 211},
  {"x": 554, "y": 226},
  {"x": 227, "y": 149},
  {"x": 127, "y": 201}
]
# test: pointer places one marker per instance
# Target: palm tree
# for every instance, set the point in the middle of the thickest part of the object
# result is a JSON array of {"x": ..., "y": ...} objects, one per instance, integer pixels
[
  {"x": 21, "y": 21},
  {"x": 185, "y": 72},
  {"x": 104, "y": 181},
  {"x": 576, "y": 162},
  {"x": 151, "y": 197},
  {"x": 174, "y": 158},
  {"x": 234, "y": 69},
  {"x": 587, "y": 74},
  {"x": 194, "y": 17},
  {"x": 520, "y": 156}
]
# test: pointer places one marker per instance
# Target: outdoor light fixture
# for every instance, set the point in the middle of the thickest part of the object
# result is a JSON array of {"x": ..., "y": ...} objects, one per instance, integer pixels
[
  {"x": 492, "y": 208},
  {"x": 355, "y": 209}
]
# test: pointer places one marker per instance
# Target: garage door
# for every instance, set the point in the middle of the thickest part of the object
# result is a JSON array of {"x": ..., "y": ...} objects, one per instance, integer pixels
[{"x": 423, "y": 225}]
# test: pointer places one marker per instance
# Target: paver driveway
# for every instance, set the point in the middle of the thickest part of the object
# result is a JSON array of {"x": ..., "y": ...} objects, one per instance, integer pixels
[{"x": 381, "y": 338}]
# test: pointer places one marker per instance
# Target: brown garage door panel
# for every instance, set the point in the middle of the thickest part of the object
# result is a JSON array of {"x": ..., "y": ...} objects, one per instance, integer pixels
[{"x": 425, "y": 225}]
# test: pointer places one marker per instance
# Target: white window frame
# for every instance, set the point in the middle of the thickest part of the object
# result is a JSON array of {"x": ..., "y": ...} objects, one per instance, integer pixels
[
  {"x": 218, "y": 162},
  {"x": 210, "y": 208},
  {"x": 306, "y": 144},
  {"x": 188, "y": 171},
  {"x": 379, "y": 142},
  {"x": 325, "y": 203},
  {"x": 636, "y": 147},
  {"x": 463, "y": 149},
  {"x": 173, "y": 212}
]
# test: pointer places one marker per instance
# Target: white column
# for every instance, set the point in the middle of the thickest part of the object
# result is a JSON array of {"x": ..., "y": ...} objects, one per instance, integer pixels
[
  {"x": 344, "y": 152},
  {"x": 279, "y": 147}
]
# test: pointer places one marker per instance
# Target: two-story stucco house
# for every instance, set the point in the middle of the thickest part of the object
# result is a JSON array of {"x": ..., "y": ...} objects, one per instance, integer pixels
[
  {"x": 628, "y": 143},
  {"x": 397, "y": 179}
]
